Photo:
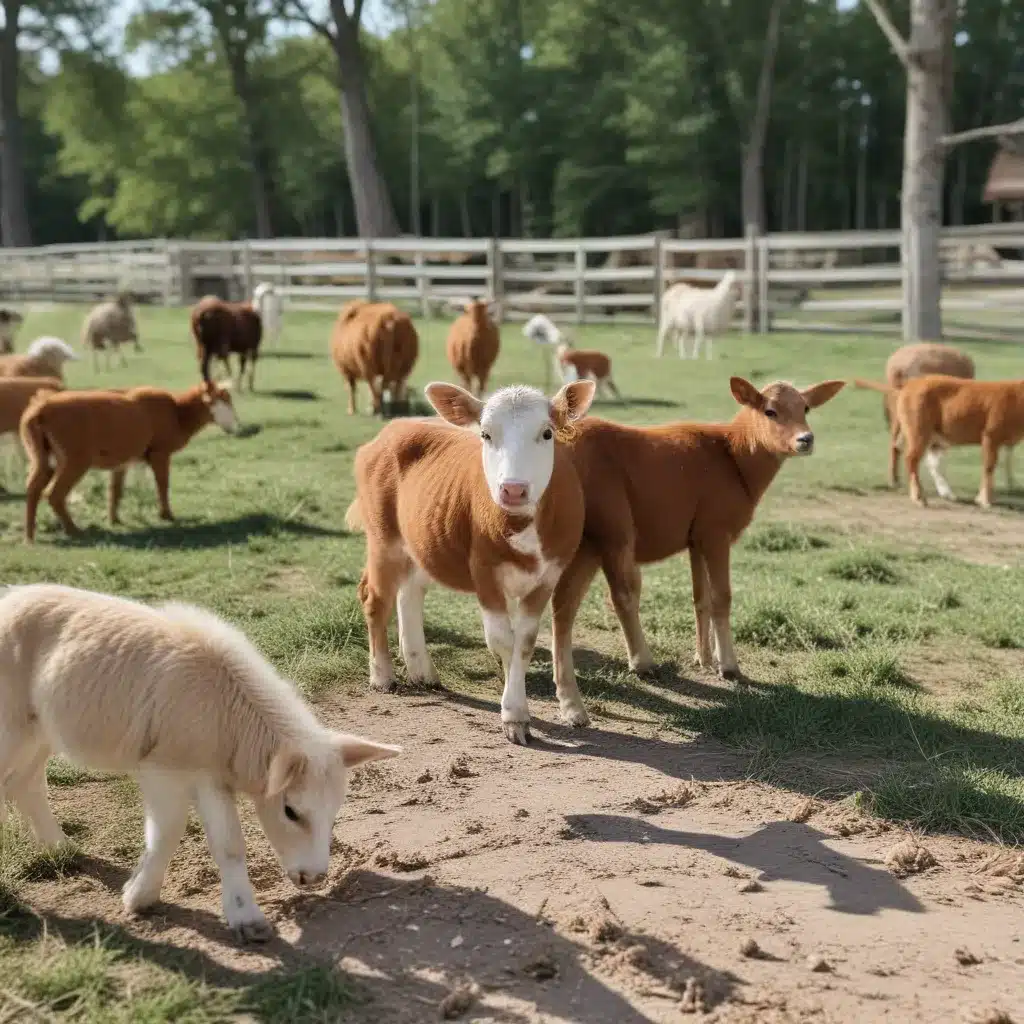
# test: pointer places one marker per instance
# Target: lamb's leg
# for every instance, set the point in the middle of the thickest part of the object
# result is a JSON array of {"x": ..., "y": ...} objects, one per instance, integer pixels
[
  {"x": 610, "y": 385},
  {"x": 698, "y": 335},
  {"x": 243, "y": 361},
  {"x": 663, "y": 333},
  {"x": 27, "y": 789},
  {"x": 227, "y": 845},
  {"x": 95, "y": 359},
  {"x": 933, "y": 459},
  {"x": 377, "y": 591},
  {"x": 160, "y": 464},
  {"x": 114, "y": 494},
  {"x": 624, "y": 583},
  {"x": 252, "y": 372},
  {"x": 411, "y": 636},
  {"x": 166, "y": 798},
  {"x": 716, "y": 558},
  {"x": 570, "y": 590},
  {"x": 701, "y": 608},
  {"x": 989, "y": 461},
  {"x": 120, "y": 352}
]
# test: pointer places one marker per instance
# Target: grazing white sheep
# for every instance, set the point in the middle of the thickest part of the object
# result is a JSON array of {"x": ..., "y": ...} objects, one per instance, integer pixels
[
  {"x": 543, "y": 331},
  {"x": 108, "y": 326},
  {"x": 267, "y": 303},
  {"x": 45, "y": 357},
  {"x": 185, "y": 703},
  {"x": 705, "y": 311}
]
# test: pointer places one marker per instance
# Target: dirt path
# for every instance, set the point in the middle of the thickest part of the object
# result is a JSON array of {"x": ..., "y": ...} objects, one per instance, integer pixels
[{"x": 593, "y": 877}]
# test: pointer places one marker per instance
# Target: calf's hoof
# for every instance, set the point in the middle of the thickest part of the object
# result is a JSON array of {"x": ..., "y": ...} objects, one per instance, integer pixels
[
  {"x": 576, "y": 716},
  {"x": 642, "y": 664},
  {"x": 386, "y": 685},
  {"x": 517, "y": 732}
]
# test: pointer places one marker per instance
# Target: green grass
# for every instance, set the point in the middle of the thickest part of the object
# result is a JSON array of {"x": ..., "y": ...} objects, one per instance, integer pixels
[{"x": 890, "y": 657}]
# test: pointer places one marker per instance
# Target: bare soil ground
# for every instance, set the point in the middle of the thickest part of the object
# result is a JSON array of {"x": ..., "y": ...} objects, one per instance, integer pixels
[{"x": 615, "y": 875}]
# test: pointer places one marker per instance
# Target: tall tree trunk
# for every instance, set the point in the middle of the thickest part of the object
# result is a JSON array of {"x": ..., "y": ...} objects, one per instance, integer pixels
[
  {"x": 15, "y": 228},
  {"x": 801, "y": 189},
  {"x": 862, "y": 175},
  {"x": 260, "y": 161},
  {"x": 923, "y": 165},
  {"x": 464, "y": 215},
  {"x": 375, "y": 214}
]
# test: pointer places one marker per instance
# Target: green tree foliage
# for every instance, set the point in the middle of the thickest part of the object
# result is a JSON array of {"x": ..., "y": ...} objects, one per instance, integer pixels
[{"x": 564, "y": 117}]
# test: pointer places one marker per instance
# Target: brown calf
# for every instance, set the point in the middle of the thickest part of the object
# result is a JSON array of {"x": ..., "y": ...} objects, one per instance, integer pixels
[
  {"x": 497, "y": 513},
  {"x": 375, "y": 342},
  {"x": 220, "y": 328},
  {"x": 15, "y": 395},
  {"x": 473, "y": 345},
  {"x": 653, "y": 492},
  {"x": 67, "y": 433},
  {"x": 586, "y": 364}
]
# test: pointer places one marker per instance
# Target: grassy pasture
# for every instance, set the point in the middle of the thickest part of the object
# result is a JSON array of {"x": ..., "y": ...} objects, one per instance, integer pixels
[{"x": 885, "y": 649}]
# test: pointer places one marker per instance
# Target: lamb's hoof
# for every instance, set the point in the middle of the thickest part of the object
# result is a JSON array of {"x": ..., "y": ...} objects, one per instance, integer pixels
[
  {"x": 704, "y": 664},
  {"x": 981, "y": 503},
  {"x": 576, "y": 717},
  {"x": 425, "y": 679},
  {"x": 254, "y": 931},
  {"x": 517, "y": 732},
  {"x": 642, "y": 666},
  {"x": 387, "y": 685},
  {"x": 137, "y": 900}
]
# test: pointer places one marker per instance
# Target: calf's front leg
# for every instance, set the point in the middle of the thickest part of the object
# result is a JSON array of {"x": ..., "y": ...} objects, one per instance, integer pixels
[
  {"x": 716, "y": 558},
  {"x": 227, "y": 845}
]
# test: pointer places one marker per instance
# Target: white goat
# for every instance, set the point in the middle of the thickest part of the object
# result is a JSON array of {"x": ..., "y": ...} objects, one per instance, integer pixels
[
  {"x": 185, "y": 703},
  {"x": 705, "y": 311},
  {"x": 267, "y": 303}
]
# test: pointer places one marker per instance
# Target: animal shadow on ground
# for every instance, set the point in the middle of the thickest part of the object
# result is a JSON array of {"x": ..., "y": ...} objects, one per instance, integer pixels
[
  {"x": 779, "y": 851},
  {"x": 292, "y": 394},
  {"x": 264, "y": 354},
  {"x": 201, "y": 534},
  {"x": 401, "y": 410},
  {"x": 363, "y": 918},
  {"x": 643, "y": 403}
]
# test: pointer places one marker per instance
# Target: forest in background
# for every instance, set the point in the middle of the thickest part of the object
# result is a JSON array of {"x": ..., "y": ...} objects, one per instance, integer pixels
[{"x": 483, "y": 117}]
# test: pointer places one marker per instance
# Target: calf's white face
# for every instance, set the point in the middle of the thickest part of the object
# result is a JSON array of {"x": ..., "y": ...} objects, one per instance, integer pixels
[
  {"x": 517, "y": 427},
  {"x": 302, "y": 799}
]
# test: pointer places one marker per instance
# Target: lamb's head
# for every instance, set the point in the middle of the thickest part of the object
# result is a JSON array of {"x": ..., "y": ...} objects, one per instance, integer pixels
[
  {"x": 303, "y": 795},
  {"x": 728, "y": 282},
  {"x": 54, "y": 352},
  {"x": 518, "y": 427},
  {"x": 541, "y": 330},
  {"x": 217, "y": 399},
  {"x": 776, "y": 416}
]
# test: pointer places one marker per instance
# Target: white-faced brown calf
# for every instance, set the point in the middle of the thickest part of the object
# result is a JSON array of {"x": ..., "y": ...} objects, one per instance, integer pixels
[
  {"x": 496, "y": 511},
  {"x": 653, "y": 492}
]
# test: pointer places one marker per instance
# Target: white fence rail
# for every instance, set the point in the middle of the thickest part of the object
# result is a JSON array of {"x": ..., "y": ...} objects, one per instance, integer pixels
[{"x": 829, "y": 280}]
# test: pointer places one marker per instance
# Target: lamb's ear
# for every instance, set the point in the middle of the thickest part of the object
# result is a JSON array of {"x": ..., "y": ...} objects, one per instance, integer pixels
[
  {"x": 745, "y": 393},
  {"x": 454, "y": 404},
  {"x": 286, "y": 768},
  {"x": 356, "y": 750},
  {"x": 819, "y": 394}
]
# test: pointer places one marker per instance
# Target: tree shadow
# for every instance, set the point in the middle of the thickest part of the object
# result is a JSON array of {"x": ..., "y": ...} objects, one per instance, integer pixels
[
  {"x": 199, "y": 534},
  {"x": 779, "y": 851},
  {"x": 398, "y": 936}
]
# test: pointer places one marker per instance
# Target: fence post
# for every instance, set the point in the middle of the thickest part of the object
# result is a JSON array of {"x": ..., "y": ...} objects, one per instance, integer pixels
[
  {"x": 495, "y": 259},
  {"x": 371, "y": 272},
  {"x": 763, "y": 266},
  {"x": 247, "y": 268},
  {"x": 421, "y": 285},
  {"x": 658, "y": 258},
  {"x": 750, "y": 291},
  {"x": 581, "y": 282}
]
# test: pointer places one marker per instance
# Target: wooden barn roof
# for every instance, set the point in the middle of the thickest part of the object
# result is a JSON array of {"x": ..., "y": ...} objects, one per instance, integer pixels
[{"x": 1005, "y": 177}]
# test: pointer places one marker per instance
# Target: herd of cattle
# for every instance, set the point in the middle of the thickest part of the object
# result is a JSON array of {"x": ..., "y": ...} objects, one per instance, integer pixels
[{"x": 515, "y": 497}]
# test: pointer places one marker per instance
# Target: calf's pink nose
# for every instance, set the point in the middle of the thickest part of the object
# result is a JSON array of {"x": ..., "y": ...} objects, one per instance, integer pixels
[{"x": 513, "y": 492}]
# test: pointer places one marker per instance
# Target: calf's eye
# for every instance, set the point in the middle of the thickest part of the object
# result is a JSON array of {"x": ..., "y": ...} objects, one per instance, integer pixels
[
  {"x": 290, "y": 813},
  {"x": 485, "y": 436},
  {"x": 770, "y": 413},
  {"x": 547, "y": 435}
]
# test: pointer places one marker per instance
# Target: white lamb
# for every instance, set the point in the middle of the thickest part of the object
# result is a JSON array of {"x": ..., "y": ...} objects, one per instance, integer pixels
[
  {"x": 267, "y": 303},
  {"x": 705, "y": 311},
  {"x": 185, "y": 703},
  {"x": 543, "y": 331}
]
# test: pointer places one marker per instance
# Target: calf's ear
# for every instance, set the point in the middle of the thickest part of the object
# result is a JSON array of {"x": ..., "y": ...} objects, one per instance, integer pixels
[
  {"x": 745, "y": 393},
  {"x": 356, "y": 750},
  {"x": 571, "y": 403},
  {"x": 819, "y": 394},
  {"x": 454, "y": 404}
]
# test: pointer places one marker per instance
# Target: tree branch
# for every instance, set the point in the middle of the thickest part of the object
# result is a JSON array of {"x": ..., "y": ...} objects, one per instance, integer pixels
[
  {"x": 295, "y": 10},
  {"x": 992, "y": 131},
  {"x": 889, "y": 30}
]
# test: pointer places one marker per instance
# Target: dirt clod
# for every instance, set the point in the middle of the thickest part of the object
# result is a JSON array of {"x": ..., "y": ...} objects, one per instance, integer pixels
[
  {"x": 425, "y": 777},
  {"x": 399, "y": 861},
  {"x": 474, "y": 828},
  {"x": 459, "y": 769},
  {"x": 988, "y": 1015},
  {"x": 540, "y": 965},
  {"x": 804, "y": 810},
  {"x": 750, "y": 949},
  {"x": 965, "y": 958},
  {"x": 819, "y": 964},
  {"x": 677, "y": 796},
  {"x": 521, "y": 813},
  {"x": 750, "y": 885},
  {"x": 909, "y": 858},
  {"x": 459, "y": 1000},
  {"x": 1003, "y": 864}
]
